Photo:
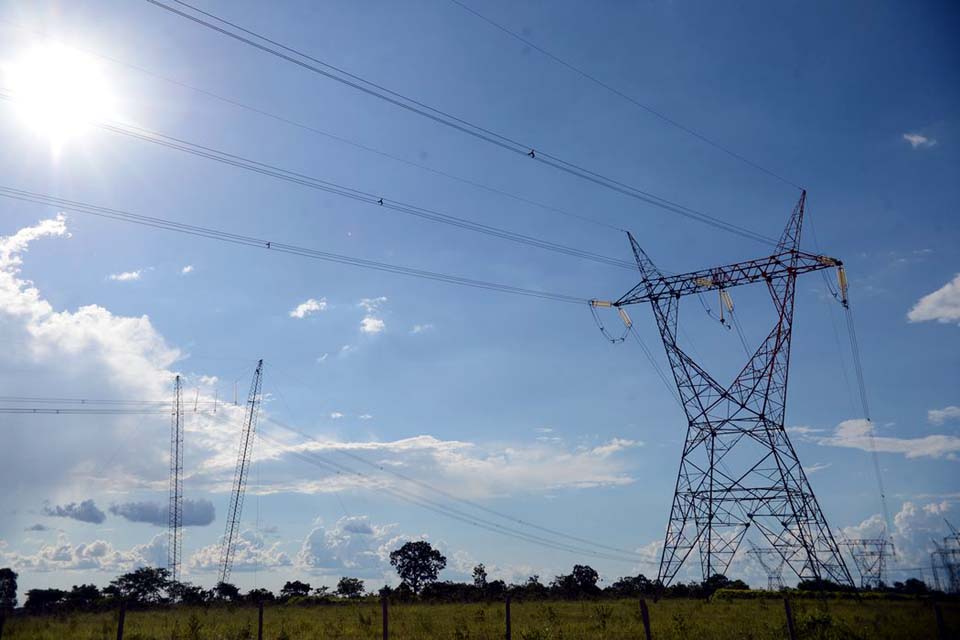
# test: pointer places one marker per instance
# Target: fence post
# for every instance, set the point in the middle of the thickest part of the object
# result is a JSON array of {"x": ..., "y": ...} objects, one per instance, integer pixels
[
  {"x": 121, "y": 619},
  {"x": 260, "y": 620},
  {"x": 645, "y": 615},
  {"x": 791, "y": 630},
  {"x": 385, "y": 610},
  {"x": 941, "y": 625},
  {"x": 509, "y": 633}
]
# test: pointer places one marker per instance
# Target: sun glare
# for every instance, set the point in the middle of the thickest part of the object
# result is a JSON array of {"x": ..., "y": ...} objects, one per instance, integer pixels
[{"x": 58, "y": 91}]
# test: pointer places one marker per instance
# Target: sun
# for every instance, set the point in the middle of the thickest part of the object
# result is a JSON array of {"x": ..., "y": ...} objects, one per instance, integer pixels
[{"x": 58, "y": 92}]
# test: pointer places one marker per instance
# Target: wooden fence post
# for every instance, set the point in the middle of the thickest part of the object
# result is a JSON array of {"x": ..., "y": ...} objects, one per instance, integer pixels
[
  {"x": 791, "y": 630},
  {"x": 385, "y": 612},
  {"x": 509, "y": 632},
  {"x": 645, "y": 615},
  {"x": 121, "y": 619},
  {"x": 941, "y": 625},
  {"x": 260, "y": 620}
]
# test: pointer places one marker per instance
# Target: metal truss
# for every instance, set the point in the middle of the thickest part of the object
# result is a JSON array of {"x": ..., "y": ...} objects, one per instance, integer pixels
[
  {"x": 870, "y": 557},
  {"x": 175, "y": 506}
]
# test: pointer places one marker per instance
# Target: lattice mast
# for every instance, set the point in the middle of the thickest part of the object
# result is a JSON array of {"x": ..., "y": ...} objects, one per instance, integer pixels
[
  {"x": 870, "y": 557},
  {"x": 738, "y": 468},
  {"x": 945, "y": 562},
  {"x": 251, "y": 415},
  {"x": 772, "y": 563},
  {"x": 175, "y": 506}
]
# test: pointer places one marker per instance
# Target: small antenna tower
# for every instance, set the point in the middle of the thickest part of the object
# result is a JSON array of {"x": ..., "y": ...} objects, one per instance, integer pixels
[
  {"x": 251, "y": 415},
  {"x": 175, "y": 507}
]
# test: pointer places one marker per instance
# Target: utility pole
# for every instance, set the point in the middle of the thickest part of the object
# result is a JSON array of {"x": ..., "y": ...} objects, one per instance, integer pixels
[
  {"x": 738, "y": 469},
  {"x": 175, "y": 506},
  {"x": 251, "y": 415}
]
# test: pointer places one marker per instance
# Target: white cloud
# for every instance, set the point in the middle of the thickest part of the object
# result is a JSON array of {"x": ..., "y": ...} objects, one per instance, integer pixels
[
  {"x": 939, "y": 416},
  {"x": 322, "y": 358},
  {"x": 915, "y": 526},
  {"x": 861, "y": 434},
  {"x": 943, "y": 305},
  {"x": 365, "y": 416},
  {"x": 187, "y": 269},
  {"x": 919, "y": 141},
  {"x": 371, "y": 305},
  {"x": 816, "y": 466},
  {"x": 353, "y": 544},
  {"x": 309, "y": 307},
  {"x": 125, "y": 276},
  {"x": 336, "y": 415},
  {"x": 421, "y": 328},
  {"x": 98, "y": 555},
  {"x": 251, "y": 553},
  {"x": 372, "y": 325}
]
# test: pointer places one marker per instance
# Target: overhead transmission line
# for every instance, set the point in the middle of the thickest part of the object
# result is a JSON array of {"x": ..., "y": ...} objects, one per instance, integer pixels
[
  {"x": 645, "y": 107},
  {"x": 332, "y": 136},
  {"x": 592, "y": 547},
  {"x": 279, "y": 247},
  {"x": 273, "y": 171},
  {"x": 315, "y": 65}
]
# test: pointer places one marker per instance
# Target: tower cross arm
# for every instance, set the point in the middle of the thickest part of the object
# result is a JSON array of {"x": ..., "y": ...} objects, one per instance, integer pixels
[{"x": 779, "y": 265}]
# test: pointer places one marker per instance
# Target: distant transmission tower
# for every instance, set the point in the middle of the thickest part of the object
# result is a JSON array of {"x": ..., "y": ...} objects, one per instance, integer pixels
[
  {"x": 945, "y": 561},
  {"x": 772, "y": 563},
  {"x": 251, "y": 415},
  {"x": 738, "y": 468},
  {"x": 175, "y": 507},
  {"x": 870, "y": 556}
]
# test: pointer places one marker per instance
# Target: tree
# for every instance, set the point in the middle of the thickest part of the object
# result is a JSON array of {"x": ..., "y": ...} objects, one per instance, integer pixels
[
  {"x": 295, "y": 589},
  {"x": 226, "y": 591},
  {"x": 417, "y": 564},
  {"x": 581, "y": 581},
  {"x": 259, "y": 595},
  {"x": 480, "y": 577},
  {"x": 39, "y": 600},
  {"x": 146, "y": 585},
  {"x": 187, "y": 593},
  {"x": 8, "y": 589},
  {"x": 83, "y": 596},
  {"x": 350, "y": 587}
]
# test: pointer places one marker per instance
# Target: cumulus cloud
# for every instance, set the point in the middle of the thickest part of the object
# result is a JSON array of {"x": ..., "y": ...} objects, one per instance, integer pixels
[
  {"x": 943, "y": 305},
  {"x": 861, "y": 434},
  {"x": 915, "y": 526},
  {"x": 187, "y": 269},
  {"x": 919, "y": 141},
  {"x": 125, "y": 276},
  {"x": 98, "y": 555},
  {"x": 251, "y": 553},
  {"x": 308, "y": 307},
  {"x": 371, "y": 324},
  {"x": 352, "y": 544},
  {"x": 939, "y": 416},
  {"x": 85, "y": 511},
  {"x": 196, "y": 513}
]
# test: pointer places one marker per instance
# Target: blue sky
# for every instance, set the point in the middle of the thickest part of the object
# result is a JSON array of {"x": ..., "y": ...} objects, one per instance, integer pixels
[{"x": 514, "y": 402}]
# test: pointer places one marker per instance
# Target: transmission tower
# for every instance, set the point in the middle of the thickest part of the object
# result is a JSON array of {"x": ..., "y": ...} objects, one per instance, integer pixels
[
  {"x": 175, "y": 507},
  {"x": 251, "y": 415},
  {"x": 870, "y": 557},
  {"x": 772, "y": 562},
  {"x": 738, "y": 468},
  {"x": 945, "y": 561}
]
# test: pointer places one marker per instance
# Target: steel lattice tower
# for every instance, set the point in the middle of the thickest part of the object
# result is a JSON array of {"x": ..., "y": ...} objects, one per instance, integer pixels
[
  {"x": 175, "y": 506},
  {"x": 772, "y": 563},
  {"x": 870, "y": 557},
  {"x": 738, "y": 469},
  {"x": 251, "y": 415}
]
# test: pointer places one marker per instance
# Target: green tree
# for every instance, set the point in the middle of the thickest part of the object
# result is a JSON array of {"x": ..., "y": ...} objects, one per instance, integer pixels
[
  {"x": 480, "y": 577},
  {"x": 146, "y": 585},
  {"x": 294, "y": 589},
  {"x": 39, "y": 600},
  {"x": 350, "y": 587},
  {"x": 8, "y": 589},
  {"x": 418, "y": 564},
  {"x": 226, "y": 591}
]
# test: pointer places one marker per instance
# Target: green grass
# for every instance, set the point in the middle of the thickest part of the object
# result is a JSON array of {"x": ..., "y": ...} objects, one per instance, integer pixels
[{"x": 613, "y": 620}]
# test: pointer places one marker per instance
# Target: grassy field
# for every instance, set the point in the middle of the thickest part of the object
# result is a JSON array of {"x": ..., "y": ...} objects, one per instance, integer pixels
[{"x": 700, "y": 620}]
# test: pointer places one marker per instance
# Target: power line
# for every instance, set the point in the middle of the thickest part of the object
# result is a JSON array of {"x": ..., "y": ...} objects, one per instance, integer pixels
[
  {"x": 658, "y": 114},
  {"x": 269, "y": 245},
  {"x": 263, "y": 168},
  {"x": 332, "y": 136},
  {"x": 437, "y": 115}
]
